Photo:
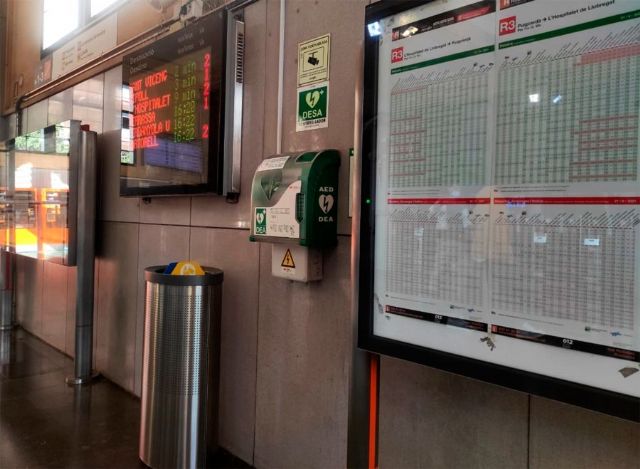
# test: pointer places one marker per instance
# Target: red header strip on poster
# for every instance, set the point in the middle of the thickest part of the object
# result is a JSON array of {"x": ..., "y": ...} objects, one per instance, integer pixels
[
  {"x": 615, "y": 200},
  {"x": 439, "y": 201}
]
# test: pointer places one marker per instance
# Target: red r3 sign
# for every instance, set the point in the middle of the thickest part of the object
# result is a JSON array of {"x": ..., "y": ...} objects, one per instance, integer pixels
[
  {"x": 397, "y": 54},
  {"x": 507, "y": 26}
]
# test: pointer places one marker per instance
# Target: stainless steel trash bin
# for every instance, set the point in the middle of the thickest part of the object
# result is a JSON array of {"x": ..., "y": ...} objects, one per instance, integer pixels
[{"x": 180, "y": 368}]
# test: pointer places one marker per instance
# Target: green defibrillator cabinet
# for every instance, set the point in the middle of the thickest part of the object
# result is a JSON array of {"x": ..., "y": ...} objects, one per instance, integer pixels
[{"x": 294, "y": 199}]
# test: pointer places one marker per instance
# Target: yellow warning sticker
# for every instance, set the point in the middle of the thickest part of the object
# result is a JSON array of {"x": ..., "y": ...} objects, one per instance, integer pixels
[{"x": 288, "y": 260}]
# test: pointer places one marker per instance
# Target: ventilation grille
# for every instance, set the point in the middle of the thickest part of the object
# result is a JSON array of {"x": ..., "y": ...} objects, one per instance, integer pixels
[{"x": 240, "y": 58}]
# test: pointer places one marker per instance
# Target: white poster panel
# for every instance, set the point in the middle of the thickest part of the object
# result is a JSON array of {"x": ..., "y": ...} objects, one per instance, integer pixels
[{"x": 507, "y": 192}]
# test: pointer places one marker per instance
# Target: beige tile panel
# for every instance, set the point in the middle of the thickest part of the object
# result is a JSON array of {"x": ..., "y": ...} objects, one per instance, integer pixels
[
  {"x": 564, "y": 436},
  {"x": 433, "y": 419},
  {"x": 231, "y": 251},
  {"x": 137, "y": 16},
  {"x": 36, "y": 116},
  {"x": 158, "y": 245},
  {"x": 304, "y": 357},
  {"x": 215, "y": 211},
  {"x": 166, "y": 210},
  {"x": 307, "y": 20},
  {"x": 112, "y": 108},
  {"x": 271, "y": 77},
  {"x": 117, "y": 301},
  {"x": 112, "y": 207},
  {"x": 29, "y": 284},
  {"x": 54, "y": 305}
]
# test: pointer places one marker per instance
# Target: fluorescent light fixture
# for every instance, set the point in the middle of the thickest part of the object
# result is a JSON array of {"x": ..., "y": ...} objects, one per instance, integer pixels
[
  {"x": 410, "y": 31},
  {"x": 557, "y": 99},
  {"x": 592, "y": 242},
  {"x": 534, "y": 98},
  {"x": 374, "y": 29}
]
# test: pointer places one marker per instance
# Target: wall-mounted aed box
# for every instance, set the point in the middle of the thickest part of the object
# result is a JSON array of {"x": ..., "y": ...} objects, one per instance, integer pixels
[{"x": 294, "y": 202}]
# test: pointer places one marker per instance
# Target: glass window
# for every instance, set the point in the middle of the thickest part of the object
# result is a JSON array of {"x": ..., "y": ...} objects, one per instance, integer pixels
[
  {"x": 61, "y": 17},
  {"x": 98, "y": 6}
]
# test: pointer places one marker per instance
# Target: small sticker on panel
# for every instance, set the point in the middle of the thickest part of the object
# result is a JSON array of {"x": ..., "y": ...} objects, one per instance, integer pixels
[
  {"x": 287, "y": 261},
  {"x": 273, "y": 163}
]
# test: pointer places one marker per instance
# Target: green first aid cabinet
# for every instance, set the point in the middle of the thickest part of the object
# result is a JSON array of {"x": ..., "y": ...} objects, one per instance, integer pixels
[{"x": 294, "y": 199}]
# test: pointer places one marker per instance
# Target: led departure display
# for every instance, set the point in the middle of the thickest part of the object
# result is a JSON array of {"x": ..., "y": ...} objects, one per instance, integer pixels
[{"x": 172, "y": 130}]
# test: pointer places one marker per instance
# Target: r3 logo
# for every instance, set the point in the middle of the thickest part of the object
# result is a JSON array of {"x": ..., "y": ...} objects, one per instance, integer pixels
[
  {"x": 507, "y": 26},
  {"x": 397, "y": 55}
]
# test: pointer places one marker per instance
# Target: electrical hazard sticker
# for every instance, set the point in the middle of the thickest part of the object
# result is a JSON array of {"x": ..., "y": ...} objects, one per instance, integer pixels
[{"x": 287, "y": 261}]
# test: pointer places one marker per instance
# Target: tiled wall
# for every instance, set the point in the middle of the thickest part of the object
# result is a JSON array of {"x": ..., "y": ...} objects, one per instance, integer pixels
[
  {"x": 433, "y": 419},
  {"x": 286, "y": 348}
]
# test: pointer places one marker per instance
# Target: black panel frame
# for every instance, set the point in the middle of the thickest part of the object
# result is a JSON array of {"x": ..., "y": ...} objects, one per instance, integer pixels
[
  {"x": 215, "y": 25},
  {"x": 600, "y": 400}
]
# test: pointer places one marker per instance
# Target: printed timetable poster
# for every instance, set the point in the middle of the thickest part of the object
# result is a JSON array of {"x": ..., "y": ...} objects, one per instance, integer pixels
[{"x": 507, "y": 206}]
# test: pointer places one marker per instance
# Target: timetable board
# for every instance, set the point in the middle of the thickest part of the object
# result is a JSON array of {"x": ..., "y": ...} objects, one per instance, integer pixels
[
  {"x": 173, "y": 112},
  {"x": 501, "y": 193}
]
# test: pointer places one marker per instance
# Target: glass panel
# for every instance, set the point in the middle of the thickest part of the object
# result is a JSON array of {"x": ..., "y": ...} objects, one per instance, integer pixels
[
  {"x": 41, "y": 196},
  {"x": 88, "y": 102},
  {"x": 60, "y": 107},
  {"x": 60, "y": 18},
  {"x": 5, "y": 207}
]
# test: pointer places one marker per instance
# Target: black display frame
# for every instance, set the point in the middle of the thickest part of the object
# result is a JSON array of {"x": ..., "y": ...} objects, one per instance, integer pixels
[
  {"x": 600, "y": 400},
  {"x": 215, "y": 35}
]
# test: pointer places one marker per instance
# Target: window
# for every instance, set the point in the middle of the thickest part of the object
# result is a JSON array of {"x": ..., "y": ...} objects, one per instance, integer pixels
[
  {"x": 98, "y": 6},
  {"x": 60, "y": 18},
  {"x": 63, "y": 17}
]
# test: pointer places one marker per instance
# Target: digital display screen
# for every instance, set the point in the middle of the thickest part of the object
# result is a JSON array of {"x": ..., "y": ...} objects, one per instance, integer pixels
[{"x": 172, "y": 122}]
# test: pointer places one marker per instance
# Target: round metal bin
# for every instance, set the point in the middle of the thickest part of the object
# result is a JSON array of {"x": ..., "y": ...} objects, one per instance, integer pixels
[{"x": 180, "y": 368}]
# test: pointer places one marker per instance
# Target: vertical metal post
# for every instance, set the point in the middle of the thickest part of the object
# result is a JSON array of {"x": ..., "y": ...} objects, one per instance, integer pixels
[
  {"x": 87, "y": 176},
  {"x": 359, "y": 405}
]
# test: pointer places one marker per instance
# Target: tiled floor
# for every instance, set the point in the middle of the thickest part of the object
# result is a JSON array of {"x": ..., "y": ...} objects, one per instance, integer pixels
[{"x": 45, "y": 423}]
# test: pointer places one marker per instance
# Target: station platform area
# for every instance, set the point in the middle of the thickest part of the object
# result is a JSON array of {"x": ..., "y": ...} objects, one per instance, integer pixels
[{"x": 46, "y": 423}]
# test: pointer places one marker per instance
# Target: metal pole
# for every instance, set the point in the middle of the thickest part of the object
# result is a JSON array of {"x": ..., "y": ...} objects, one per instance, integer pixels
[{"x": 85, "y": 257}]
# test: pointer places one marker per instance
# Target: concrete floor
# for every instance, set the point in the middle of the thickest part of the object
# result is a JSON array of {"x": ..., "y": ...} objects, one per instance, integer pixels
[{"x": 45, "y": 423}]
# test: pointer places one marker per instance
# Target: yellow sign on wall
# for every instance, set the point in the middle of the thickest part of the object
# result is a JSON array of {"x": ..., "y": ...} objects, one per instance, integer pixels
[{"x": 313, "y": 60}]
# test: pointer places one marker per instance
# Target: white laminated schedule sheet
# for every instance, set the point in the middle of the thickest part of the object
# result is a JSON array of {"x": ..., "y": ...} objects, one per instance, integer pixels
[{"x": 507, "y": 191}]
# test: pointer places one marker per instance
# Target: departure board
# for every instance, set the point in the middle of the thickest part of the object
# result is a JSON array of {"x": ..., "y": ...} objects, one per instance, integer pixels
[
  {"x": 501, "y": 221},
  {"x": 173, "y": 112}
]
